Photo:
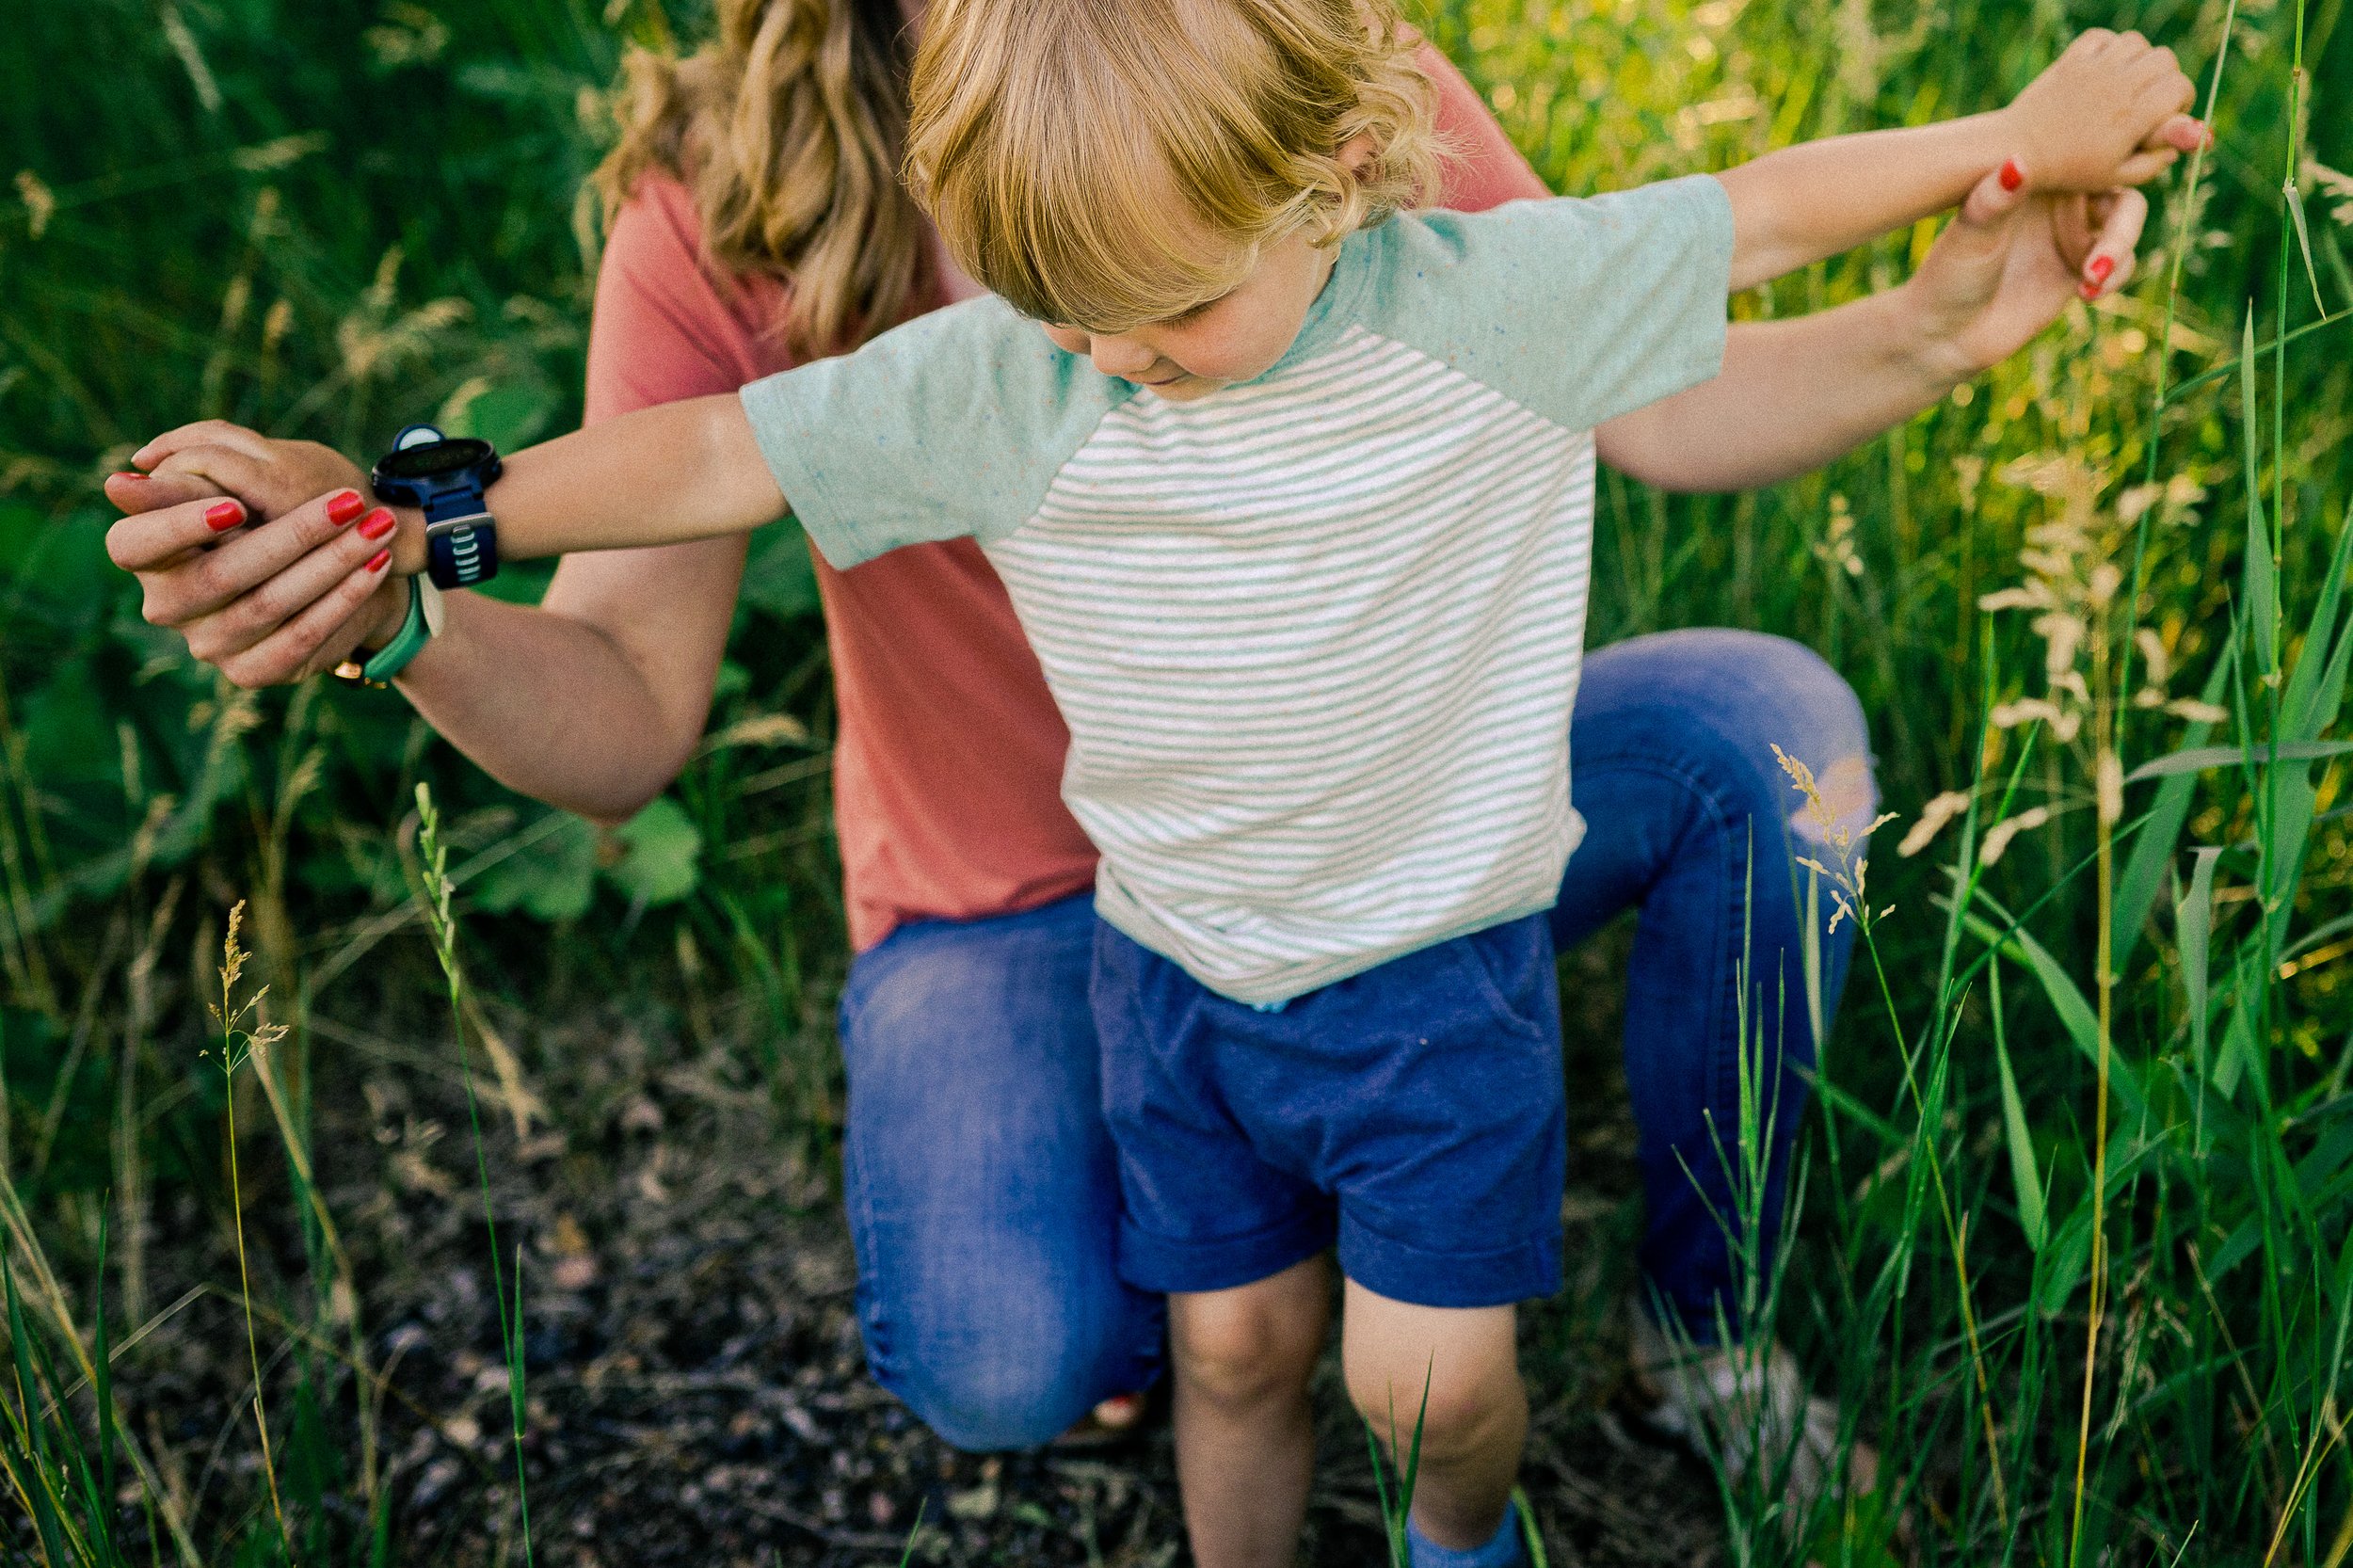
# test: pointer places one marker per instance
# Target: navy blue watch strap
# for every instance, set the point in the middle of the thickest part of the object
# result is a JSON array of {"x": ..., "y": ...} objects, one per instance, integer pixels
[{"x": 462, "y": 545}]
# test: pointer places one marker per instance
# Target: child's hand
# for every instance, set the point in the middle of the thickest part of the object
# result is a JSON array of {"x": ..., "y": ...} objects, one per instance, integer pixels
[{"x": 2108, "y": 112}]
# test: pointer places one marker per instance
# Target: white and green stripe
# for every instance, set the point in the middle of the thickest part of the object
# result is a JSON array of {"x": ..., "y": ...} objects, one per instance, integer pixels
[{"x": 1316, "y": 639}]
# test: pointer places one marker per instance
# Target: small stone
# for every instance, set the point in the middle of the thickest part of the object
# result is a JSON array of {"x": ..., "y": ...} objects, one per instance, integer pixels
[{"x": 977, "y": 1503}]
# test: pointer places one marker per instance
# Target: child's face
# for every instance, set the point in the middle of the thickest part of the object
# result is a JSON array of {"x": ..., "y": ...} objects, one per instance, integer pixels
[{"x": 1235, "y": 337}]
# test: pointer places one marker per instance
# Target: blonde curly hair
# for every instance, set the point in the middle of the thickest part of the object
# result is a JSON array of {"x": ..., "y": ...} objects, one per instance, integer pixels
[{"x": 1107, "y": 163}]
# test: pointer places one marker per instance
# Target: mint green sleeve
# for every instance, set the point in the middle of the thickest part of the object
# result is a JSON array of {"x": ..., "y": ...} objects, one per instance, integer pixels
[
  {"x": 1577, "y": 309},
  {"x": 950, "y": 426}
]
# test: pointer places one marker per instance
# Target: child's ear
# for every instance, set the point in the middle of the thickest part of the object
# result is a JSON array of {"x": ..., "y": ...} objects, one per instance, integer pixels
[{"x": 1356, "y": 154}]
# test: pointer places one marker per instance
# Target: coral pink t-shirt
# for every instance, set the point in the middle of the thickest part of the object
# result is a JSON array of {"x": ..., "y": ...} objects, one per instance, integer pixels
[{"x": 949, "y": 760}]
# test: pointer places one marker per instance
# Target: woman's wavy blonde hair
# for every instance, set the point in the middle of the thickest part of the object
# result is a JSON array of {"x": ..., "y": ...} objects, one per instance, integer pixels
[
  {"x": 1106, "y": 163},
  {"x": 787, "y": 129}
]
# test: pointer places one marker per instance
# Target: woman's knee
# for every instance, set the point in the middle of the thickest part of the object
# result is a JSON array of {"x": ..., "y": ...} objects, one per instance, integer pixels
[
  {"x": 1018, "y": 1384},
  {"x": 1731, "y": 704}
]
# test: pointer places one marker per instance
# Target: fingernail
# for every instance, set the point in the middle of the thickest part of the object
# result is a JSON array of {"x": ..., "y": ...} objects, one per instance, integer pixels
[
  {"x": 126, "y": 474},
  {"x": 2090, "y": 291},
  {"x": 2012, "y": 176},
  {"x": 376, "y": 562},
  {"x": 377, "y": 524},
  {"x": 224, "y": 516},
  {"x": 2099, "y": 268},
  {"x": 343, "y": 508}
]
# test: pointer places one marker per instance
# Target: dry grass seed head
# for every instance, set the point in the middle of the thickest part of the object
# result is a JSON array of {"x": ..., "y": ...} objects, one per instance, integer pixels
[{"x": 1850, "y": 878}]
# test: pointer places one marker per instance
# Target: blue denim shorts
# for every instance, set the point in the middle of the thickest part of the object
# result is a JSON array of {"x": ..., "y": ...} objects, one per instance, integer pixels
[{"x": 1412, "y": 1114}]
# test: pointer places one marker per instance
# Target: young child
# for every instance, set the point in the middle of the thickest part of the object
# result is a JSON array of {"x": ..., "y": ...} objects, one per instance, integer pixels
[{"x": 1293, "y": 491}]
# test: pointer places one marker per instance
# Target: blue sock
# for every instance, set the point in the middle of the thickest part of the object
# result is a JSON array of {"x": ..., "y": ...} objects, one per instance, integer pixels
[{"x": 1504, "y": 1551}]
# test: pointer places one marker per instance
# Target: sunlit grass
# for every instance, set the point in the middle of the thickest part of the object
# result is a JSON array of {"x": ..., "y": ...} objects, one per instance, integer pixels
[{"x": 2073, "y": 1217}]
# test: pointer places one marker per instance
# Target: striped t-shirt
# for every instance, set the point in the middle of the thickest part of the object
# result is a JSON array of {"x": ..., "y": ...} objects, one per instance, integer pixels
[{"x": 1316, "y": 635}]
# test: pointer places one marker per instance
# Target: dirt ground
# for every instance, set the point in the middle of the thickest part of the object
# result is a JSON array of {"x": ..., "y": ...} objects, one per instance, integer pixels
[{"x": 696, "y": 1388}]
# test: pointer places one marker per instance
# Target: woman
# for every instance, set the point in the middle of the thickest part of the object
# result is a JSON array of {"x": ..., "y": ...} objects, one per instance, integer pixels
[{"x": 755, "y": 220}]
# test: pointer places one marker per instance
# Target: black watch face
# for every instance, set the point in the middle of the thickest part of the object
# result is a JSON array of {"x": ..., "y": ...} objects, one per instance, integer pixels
[{"x": 434, "y": 459}]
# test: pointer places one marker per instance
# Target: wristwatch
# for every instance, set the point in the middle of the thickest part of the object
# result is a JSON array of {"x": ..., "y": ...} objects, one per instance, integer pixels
[
  {"x": 420, "y": 626},
  {"x": 446, "y": 478}
]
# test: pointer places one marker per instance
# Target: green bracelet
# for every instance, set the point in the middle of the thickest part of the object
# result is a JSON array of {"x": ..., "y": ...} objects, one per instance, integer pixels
[{"x": 416, "y": 628}]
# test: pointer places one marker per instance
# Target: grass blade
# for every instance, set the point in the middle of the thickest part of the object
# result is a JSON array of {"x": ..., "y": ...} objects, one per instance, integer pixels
[
  {"x": 2259, "y": 589},
  {"x": 2153, "y": 846},
  {"x": 2024, "y": 1168}
]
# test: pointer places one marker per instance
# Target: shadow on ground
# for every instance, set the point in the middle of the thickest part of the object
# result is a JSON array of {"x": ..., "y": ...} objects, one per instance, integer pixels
[{"x": 696, "y": 1388}]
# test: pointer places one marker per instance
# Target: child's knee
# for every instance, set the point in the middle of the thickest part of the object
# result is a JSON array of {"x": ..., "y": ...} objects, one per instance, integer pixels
[
  {"x": 1467, "y": 1410},
  {"x": 1451, "y": 1374},
  {"x": 1244, "y": 1347}
]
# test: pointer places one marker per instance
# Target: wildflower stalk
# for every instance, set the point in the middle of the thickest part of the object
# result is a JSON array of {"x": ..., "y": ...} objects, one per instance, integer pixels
[
  {"x": 1849, "y": 894},
  {"x": 437, "y": 889},
  {"x": 2109, "y": 785},
  {"x": 257, "y": 1038},
  {"x": 2157, "y": 403}
]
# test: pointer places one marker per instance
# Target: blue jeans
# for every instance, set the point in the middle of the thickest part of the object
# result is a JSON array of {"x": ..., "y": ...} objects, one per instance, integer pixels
[{"x": 982, "y": 1191}]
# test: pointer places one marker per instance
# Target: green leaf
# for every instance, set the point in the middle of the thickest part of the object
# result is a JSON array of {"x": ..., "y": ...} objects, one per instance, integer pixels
[
  {"x": 2067, "y": 1001},
  {"x": 2023, "y": 1169},
  {"x": 2310, "y": 700},
  {"x": 778, "y": 576},
  {"x": 508, "y": 413},
  {"x": 2199, "y": 758},
  {"x": 2070, "y": 1256},
  {"x": 2259, "y": 590},
  {"x": 2161, "y": 830},
  {"x": 2193, "y": 928},
  {"x": 2238, "y": 1045},
  {"x": 662, "y": 858},
  {"x": 2295, "y": 204},
  {"x": 553, "y": 877}
]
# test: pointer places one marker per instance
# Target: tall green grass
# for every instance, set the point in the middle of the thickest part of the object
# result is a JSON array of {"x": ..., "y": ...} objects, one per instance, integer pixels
[{"x": 2073, "y": 1219}]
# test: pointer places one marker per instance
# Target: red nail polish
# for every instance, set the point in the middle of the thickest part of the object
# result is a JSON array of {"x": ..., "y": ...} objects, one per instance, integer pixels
[
  {"x": 127, "y": 473},
  {"x": 2101, "y": 266},
  {"x": 377, "y": 524},
  {"x": 376, "y": 560},
  {"x": 2012, "y": 176},
  {"x": 343, "y": 508},
  {"x": 2090, "y": 291},
  {"x": 225, "y": 516}
]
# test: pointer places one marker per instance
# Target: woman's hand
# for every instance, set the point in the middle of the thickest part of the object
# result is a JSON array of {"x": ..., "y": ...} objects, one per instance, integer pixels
[
  {"x": 2009, "y": 262},
  {"x": 267, "y": 555}
]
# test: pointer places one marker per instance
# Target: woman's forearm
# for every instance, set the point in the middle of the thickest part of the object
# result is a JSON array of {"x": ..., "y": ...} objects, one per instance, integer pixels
[
  {"x": 583, "y": 703},
  {"x": 668, "y": 474},
  {"x": 1792, "y": 395}
]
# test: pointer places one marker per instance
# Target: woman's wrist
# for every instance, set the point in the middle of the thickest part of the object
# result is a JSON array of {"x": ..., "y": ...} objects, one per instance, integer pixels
[
  {"x": 385, "y": 612},
  {"x": 409, "y": 546},
  {"x": 1934, "y": 350}
]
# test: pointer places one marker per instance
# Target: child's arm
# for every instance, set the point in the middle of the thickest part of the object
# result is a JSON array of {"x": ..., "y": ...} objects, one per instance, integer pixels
[
  {"x": 2107, "y": 112},
  {"x": 662, "y": 476}
]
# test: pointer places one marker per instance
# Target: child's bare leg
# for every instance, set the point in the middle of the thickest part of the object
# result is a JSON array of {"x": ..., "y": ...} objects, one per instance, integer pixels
[
  {"x": 1477, "y": 1419},
  {"x": 1245, "y": 1437}
]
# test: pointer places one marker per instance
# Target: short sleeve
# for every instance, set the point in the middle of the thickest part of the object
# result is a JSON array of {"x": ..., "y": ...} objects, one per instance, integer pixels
[
  {"x": 1577, "y": 309},
  {"x": 950, "y": 426}
]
